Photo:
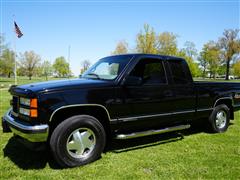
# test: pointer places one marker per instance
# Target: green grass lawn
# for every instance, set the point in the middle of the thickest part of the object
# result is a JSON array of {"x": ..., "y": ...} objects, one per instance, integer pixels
[{"x": 195, "y": 155}]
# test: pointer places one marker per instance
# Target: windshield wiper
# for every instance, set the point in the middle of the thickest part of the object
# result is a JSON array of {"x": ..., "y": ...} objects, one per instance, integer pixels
[{"x": 93, "y": 74}]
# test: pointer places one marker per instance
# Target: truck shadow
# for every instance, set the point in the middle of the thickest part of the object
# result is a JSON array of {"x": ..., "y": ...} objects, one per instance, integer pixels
[
  {"x": 26, "y": 158},
  {"x": 120, "y": 146}
]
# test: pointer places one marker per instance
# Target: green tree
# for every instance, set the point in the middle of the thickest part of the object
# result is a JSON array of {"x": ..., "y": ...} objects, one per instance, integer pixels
[
  {"x": 7, "y": 60},
  {"x": 236, "y": 68},
  {"x": 189, "y": 53},
  {"x": 61, "y": 67},
  {"x": 210, "y": 55},
  {"x": 193, "y": 66},
  {"x": 46, "y": 69},
  {"x": 229, "y": 45},
  {"x": 146, "y": 40},
  {"x": 203, "y": 63},
  {"x": 121, "y": 48},
  {"x": 29, "y": 62},
  {"x": 167, "y": 44}
]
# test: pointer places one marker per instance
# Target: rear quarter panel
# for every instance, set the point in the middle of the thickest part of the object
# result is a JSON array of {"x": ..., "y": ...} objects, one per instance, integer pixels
[{"x": 208, "y": 93}]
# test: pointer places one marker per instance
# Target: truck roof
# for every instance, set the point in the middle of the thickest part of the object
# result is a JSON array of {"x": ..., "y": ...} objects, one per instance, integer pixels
[{"x": 152, "y": 55}]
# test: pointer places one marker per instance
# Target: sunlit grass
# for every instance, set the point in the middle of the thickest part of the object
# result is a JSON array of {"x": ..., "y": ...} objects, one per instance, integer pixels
[{"x": 198, "y": 155}]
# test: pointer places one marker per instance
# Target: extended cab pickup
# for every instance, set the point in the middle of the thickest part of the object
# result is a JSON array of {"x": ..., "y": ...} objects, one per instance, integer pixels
[{"x": 121, "y": 97}]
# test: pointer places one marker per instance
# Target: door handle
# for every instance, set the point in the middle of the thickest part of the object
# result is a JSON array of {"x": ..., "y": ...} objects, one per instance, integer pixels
[{"x": 168, "y": 94}]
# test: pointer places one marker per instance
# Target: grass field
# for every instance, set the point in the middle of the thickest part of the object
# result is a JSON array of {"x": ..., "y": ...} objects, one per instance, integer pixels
[{"x": 194, "y": 154}]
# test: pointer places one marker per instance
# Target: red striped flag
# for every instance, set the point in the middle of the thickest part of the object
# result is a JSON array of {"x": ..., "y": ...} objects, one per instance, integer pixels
[{"x": 17, "y": 30}]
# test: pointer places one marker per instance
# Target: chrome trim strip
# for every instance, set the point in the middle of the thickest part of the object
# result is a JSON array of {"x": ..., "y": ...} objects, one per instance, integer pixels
[
  {"x": 221, "y": 99},
  {"x": 152, "y": 132},
  {"x": 79, "y": 105},
  {"x": 37, "y": 133},
  {"x": 206, "y": 109},
  {"x": 133, "y": 118}
]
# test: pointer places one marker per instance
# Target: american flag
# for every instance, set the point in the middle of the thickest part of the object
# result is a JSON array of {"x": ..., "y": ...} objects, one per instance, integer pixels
[{"x": 17, "y": 30}]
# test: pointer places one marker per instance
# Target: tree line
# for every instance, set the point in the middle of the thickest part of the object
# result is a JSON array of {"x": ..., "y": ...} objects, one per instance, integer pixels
[
  {"x": 30, "y": 64},
  {"x": 217, "y": 58}
]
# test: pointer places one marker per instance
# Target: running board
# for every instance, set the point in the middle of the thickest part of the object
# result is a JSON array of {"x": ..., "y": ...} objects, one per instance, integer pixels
[{"x": 152, "y": 132}]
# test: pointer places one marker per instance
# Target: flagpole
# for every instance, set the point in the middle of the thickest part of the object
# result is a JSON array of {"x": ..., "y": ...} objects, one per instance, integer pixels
[
  {"x": 15, "y": 54},
  {"x": 15, "y": 61}
]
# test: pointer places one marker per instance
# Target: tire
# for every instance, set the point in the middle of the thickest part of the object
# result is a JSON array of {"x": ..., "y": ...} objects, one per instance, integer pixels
[
  {"x": 219, "y": 119},
  {"x": 78, "y": 140}
]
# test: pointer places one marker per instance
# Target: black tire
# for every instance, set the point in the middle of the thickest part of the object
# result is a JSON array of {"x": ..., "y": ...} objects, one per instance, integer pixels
[
  {"x": 216, "y": 125},
  {"x": 62, "y": 134}
]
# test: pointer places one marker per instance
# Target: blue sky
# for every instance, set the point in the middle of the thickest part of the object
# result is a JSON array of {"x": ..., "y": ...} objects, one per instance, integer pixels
[{"x": 93, "y": 28}]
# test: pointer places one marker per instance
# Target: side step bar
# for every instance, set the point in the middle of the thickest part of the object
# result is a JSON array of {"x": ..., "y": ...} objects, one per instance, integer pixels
[{"x": 152, "y": 132}]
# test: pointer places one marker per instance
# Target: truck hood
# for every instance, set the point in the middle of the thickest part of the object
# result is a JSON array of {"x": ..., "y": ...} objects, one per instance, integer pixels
[{"x": 59, "y": 85}]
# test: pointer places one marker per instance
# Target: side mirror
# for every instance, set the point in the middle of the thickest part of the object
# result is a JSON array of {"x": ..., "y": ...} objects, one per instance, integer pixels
[{"x": 133, "y": 81}]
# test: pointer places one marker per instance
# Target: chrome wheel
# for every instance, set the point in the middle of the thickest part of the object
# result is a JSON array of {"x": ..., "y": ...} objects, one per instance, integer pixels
[
  {"x": 81, "y": 143},
  {"x": 221, "y": 119}
]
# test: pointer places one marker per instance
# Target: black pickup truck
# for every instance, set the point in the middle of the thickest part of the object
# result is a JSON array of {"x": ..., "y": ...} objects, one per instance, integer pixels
[{"x": 121, "y": 97}]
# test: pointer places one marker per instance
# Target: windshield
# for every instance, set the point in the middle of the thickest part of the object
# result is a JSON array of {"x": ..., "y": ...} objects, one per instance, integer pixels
[{"x": 107, "y": 68}]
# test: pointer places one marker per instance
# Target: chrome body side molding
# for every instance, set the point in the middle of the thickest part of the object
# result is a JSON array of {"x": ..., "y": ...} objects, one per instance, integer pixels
[
  {"x": 205, "y": 109},
  {"x": 80, "y": 105},
  {"x": 133, "y": 118},
  {"x": 151, "y": 132}
]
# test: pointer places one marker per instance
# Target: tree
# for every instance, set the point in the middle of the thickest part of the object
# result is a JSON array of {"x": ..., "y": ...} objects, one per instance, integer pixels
[
  {"x": 85, "y": 65},
  {"x": 229, "y": 45},
  {"x": 7, "y": 60},
  {"x": 167, "y": 44},
  {"x": 146, "y": 41},
  {"x": 149, "y": 42},
  {"x": 29, "y": 62},
  {"x": 203, "y": 63},
  {"x": 210, "y": 58},
  {"x": 121, "y": 48},
  {"x": 193, "y": 66},
  {"x": 190, "y": 49},
  {"x": 2, "y": 44},
  {"x": 188, "y": 53},
  {"x": 236, "y": 69},
  {"x": 61, "y": 67},
  {"x": 46, "y": 69}
]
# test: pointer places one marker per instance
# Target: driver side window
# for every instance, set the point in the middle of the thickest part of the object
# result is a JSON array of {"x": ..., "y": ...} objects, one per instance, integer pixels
[{"x": 151, "y": 71}]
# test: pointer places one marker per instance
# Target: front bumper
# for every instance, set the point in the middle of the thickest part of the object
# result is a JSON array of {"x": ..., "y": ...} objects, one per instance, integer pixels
[{"x": 36, "y": 133}]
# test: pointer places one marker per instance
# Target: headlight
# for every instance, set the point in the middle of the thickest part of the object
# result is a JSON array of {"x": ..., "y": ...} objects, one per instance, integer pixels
[
  {"x": 25, "y": 101},
  {"x": 32, "y": 105},
  {"x": 24, "y": 111}
]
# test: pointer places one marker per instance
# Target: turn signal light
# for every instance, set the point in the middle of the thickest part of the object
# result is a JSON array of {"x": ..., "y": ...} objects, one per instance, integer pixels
[
  {"x": 33, "y": 113},
  {"x": 33, "y": 103}
]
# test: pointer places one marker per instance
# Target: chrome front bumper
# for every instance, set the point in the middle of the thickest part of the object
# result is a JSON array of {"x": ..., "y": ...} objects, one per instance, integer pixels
[{"x": 37, "y": 133}]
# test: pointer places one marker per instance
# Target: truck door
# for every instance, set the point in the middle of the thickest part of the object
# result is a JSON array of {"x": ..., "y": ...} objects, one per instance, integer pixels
[
  {"x": 151, "y": 101},
  {"x": 182, "y": 84}
]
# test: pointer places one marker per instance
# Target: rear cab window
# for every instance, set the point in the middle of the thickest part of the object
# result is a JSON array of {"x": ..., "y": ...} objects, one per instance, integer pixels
[{"x": 179, "y": 71}]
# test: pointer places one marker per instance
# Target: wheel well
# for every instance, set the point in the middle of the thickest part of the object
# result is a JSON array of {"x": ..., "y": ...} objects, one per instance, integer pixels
[
  {"x": 96, "y": 111},
  {"x": 228, "y": 103}
]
